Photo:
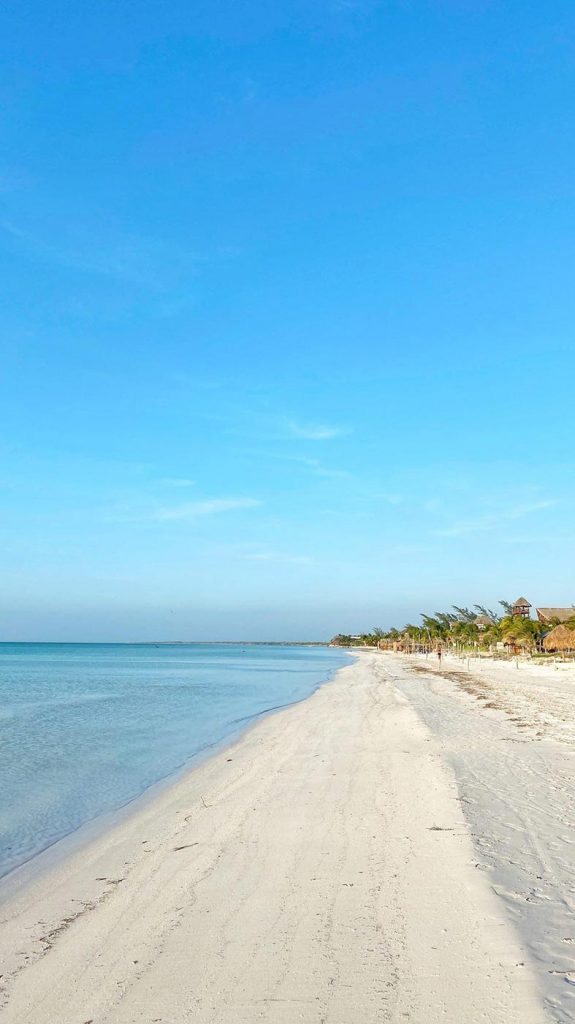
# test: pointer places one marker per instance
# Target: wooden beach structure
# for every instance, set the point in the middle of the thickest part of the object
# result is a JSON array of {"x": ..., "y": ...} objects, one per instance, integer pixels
[
  {"x": 560, "y": 639},
  {"x": 483, "y": 622},
  {"x": 521, "y": 608}
]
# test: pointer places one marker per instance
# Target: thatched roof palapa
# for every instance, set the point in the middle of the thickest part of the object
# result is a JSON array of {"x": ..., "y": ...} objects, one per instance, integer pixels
[
  {"x": 483, "y": 620},
  {"x": 563, "y": 614},
  {"x": 560, "y": 639},
  {"x": 521, "y": 602}
]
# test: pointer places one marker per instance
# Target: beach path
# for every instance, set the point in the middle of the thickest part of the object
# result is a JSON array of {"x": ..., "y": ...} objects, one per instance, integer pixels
[{"x": 320, "y": 870}]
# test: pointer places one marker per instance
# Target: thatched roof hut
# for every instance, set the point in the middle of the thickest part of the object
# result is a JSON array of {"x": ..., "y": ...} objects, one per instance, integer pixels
[
  {"x": 521, "y": 607},
  {"x": 483, "y": 621},
  {"x": 561, "y": 614},
  {"x": 560, "y": 639}
]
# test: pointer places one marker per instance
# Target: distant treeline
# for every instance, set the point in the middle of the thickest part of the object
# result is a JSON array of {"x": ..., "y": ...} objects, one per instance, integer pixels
[{"x": 477, "y": 626}]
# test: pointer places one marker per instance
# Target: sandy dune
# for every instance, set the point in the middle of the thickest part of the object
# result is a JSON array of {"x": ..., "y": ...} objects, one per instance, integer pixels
[{"x": 321, "y": 870}]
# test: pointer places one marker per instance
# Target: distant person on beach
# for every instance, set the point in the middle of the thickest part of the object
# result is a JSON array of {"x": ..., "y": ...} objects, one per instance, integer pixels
[{"x": 439, "y": 655}]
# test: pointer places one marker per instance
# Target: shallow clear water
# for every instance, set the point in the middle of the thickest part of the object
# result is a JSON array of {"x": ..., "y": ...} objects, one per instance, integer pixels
[{"x": 84, "y": 728}]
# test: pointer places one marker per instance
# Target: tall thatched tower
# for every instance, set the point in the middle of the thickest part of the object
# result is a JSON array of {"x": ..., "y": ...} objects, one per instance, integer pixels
[{"x": 522, "y": 608}]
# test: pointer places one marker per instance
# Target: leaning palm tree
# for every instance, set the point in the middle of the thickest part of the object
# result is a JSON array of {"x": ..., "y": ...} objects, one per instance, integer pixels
[
  {"x": 488, "y": 612},
  {"x": 466, "y": 614}
]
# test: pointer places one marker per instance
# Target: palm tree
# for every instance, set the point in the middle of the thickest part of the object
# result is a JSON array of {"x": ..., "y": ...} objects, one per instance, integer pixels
[
  {"x": 488, "y": 612},
  {"x": 520, "y": 632},
  {"x": 464, "y": 633},
  {"x": 465, "y": 613},
  {"x": 491, "y": 636}
]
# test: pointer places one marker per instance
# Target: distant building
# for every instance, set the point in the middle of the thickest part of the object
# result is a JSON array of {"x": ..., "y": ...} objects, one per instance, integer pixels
[
  {"x": 521, "y": 608},
  {"x": 483, "y": 622},
  {"x": 546, "y": 615}
]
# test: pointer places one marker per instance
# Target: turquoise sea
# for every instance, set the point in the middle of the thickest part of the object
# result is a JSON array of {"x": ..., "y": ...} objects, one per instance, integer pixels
[{"x": 86, "y": 728}]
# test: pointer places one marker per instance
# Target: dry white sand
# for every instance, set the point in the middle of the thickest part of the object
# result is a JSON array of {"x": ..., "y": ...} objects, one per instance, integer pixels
[
  {"x": 321, "y": 870},
  {"x": 507, "y": 730}
]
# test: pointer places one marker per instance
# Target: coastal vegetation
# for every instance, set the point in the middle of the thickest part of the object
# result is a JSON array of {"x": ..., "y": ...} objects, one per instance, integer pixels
[{"x": 477, "y": 628}]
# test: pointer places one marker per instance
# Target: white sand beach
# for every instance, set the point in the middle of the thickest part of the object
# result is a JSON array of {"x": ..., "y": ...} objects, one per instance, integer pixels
[
  {"x": 321, "y": 870},
  {"x": 507, "y": 730}
]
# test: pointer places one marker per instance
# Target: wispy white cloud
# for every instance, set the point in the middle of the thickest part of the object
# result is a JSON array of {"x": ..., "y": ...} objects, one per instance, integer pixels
[
  {"x": 315, "y": 431},
  {"x": 331, "y": 474},
  {"x": 151, "y": 262},
  {"x": 276, "y": 556},
  {"x": 316, "y": 468},
  {"x": 176, "y": 481},
  {"x": 196, "y": 509},
  {"x": 492, "y": 520},
  {"x": 310, "y": 465},
  {"x": 123, "y": 262}
]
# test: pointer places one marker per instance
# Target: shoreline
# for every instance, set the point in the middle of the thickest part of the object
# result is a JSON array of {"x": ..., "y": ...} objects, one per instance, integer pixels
[
  {"x": 303, "y": 852},
  {"x": 57, "y": 853}
]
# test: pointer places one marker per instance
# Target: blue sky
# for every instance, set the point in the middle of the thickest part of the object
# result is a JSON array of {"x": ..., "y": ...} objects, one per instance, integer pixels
[{"x": 287, "y": 314}]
